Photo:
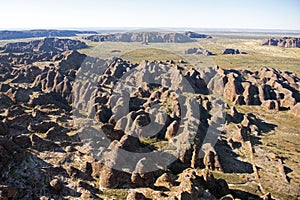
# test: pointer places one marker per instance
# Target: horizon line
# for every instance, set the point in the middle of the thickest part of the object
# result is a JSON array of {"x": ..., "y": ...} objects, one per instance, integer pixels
[{"x": 138, "y": 28}]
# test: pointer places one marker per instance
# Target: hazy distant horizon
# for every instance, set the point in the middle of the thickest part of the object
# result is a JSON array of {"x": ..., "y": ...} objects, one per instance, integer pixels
[
  {"x": 213, "y": 14},
  {"x": 166, "y": 29}
]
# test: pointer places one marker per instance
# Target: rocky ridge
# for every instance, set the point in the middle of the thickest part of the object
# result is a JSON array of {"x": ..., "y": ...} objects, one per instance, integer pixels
[
  {"x": 198, "y": 51},
  {"x": 83, "y": 151},
  {"x": 197, "y": 35},
  {"x": 287, "y": 42},
  {"x": 143, "y": 37},
  {"x": 8, "y": 35},
  {"x": 37, "y": 50},
  {"x": 232, "y": 51}
]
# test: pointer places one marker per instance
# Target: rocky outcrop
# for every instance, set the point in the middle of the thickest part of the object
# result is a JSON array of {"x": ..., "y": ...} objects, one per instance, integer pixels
[
  {"x": 8, "y": 35},
  {"x": 143, "y": 37},
  {"x": 233, "y": 51},
  {"x": 21, "y": 53},
  {"x": 196, "y": 35},
  {"x": 54, "y": 45},
  {"x": 286, "y": 42},
  {"x": 154, "y": 128},
  {"x": 270, "y": 88},
  {"x": 198, "y": 51},
  {"x": 194, "y": 185},
  {"x": 69, "y": 60}
]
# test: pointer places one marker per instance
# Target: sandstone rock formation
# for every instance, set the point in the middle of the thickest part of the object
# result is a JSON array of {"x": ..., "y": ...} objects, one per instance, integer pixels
[
  {"x": 54, "y": 45},
  {"x": 21, "y": 53},
  {"x": 143, "y": 37},
  {"x": 8, "y": 35},
  {"x": 267, "y": 86},
  {"x": 196, "y": 35},
  {"x": 198, "y": 51},
  {"x": 83, "y": 127},
  {"x": 233, "y": 51},
  {"x": 287, "y": 42}
]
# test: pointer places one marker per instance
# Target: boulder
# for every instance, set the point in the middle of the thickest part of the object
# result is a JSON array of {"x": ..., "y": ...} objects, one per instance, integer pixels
[
  {"x": 231, "y": 51},
  {"x": 172, "y": 130},
  {"x": 140, "y": 177},
  {"x": 110, "y": 178},
  {"x": 164, "y": 180}
]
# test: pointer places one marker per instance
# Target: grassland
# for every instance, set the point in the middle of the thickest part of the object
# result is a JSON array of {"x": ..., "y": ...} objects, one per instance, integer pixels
[
  {"x": 257, "y": 55},
  {"x": 283, "y": 142}
]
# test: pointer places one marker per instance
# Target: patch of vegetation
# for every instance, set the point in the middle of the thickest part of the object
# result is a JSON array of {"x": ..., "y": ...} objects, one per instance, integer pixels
[
  {"x": 150, "y": 54},
  {"x": 119, "y": 194},
  {"x": 231, "y": 178}
]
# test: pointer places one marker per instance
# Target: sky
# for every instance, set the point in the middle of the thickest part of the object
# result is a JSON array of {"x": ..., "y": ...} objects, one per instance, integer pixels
[{"x": 68, "y": 14}]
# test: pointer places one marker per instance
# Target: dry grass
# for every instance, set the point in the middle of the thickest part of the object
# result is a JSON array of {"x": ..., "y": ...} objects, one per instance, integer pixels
[
  {"x": 284, "y": 142},
  {"x": 150, "y": 54},
  {"x": 257, "y": 57}
]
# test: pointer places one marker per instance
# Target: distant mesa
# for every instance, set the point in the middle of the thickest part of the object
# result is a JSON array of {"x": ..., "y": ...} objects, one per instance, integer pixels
[
  {"x": 287, "y": 42},
  {"x": 191, "y": 34},
  {"x": 8, "y": 35},
  {"x": 44, "y": 45},
  {"x": 143, "y": 37},
  {"x": 232, "y": 51},
  {"x": 198, "y": 51}
]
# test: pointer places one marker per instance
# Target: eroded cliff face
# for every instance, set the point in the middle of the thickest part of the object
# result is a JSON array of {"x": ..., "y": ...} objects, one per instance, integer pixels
[
  {"x": 145, "y": 37},
  {"x": 287, "y": 42}
]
